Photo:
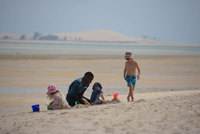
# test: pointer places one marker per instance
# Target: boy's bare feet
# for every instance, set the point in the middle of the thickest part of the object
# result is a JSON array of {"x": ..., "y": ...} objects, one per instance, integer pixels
[
  {"x": 132, "y": 99},
  {"x": 128, "y": 98}
]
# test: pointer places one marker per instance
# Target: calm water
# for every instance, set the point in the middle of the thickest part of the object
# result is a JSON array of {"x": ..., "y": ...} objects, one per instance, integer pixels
[{"x": 96, "y": 48}]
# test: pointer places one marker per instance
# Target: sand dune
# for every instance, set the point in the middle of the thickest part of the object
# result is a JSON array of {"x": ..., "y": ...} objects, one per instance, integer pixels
[
  {"x": 96, "y": 35},
  {"x": 101, "y": 35}
]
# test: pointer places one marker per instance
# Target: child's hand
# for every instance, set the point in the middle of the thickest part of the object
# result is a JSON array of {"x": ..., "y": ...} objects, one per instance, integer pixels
[
  {"x": 50, "y": 107},
  {"x": 138, "y": 77},
  {"x": 85, "y": 101},
  {"x": 51, "y": 103}
]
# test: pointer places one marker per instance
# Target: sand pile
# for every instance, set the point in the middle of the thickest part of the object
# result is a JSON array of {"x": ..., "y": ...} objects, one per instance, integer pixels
[{"x": 115, "y": 100}]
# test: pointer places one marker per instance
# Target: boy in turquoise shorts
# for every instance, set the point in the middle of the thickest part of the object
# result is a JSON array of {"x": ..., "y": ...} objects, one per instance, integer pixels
[{"x": 130, "y": 74}]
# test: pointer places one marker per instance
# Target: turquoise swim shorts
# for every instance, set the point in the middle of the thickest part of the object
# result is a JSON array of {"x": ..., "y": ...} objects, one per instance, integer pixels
[{"x": 131, "y": 79}]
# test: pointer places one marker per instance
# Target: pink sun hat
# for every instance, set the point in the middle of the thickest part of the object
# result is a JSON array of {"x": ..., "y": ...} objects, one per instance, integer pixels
[{"x": 52, "y": 89}]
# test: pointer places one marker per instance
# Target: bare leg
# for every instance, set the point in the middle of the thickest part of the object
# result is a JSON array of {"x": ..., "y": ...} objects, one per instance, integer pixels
[
  {"x": 128, "y": 97},
  {"x": 131, "y": 92}
]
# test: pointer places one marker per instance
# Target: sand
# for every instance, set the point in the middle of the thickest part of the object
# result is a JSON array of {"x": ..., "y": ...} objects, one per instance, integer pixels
[
  {"x": 172, "y": 112},
  {"x": 159, "y": 73},
  {"x": 167, "y": 98}
]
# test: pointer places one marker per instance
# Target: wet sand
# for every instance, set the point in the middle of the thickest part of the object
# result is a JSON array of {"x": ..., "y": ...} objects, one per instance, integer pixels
[{"x": 33, "y": 73}]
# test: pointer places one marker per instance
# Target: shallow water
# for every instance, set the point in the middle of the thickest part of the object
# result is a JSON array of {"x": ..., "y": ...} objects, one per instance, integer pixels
[{"x": 91, "y": 49}]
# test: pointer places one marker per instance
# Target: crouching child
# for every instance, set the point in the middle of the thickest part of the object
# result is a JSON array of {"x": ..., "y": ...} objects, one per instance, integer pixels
[
  {"x": 96, "y": 94},
  {"x": 57, "y": 99}
]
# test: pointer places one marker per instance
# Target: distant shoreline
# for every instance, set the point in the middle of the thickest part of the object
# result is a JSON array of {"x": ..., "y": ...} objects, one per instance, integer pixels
[
  {"x": 88, "y": 42},
  {"x": 82, "y": 57}
]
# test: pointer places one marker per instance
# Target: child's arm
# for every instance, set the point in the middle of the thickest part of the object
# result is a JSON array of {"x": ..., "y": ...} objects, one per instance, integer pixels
[
  {"x": 104, "y": 101},
  {"x": 55, "y": 103},
  {"x": 138, "y": 68},
  {"x": 51, "y": 103},
  {"x": 125, "y": 68},
  {"x": 101, "y": 95}
]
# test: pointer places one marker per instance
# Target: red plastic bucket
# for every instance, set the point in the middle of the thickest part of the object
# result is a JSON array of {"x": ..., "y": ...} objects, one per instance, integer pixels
[{"x": 115, "y": 96}]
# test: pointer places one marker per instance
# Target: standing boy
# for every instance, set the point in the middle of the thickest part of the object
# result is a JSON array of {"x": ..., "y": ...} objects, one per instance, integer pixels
[{"x": 130, "y": 74}]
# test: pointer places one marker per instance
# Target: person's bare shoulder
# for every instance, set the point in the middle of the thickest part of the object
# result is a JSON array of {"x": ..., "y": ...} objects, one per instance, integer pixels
[{"x": 135, "y": 61}]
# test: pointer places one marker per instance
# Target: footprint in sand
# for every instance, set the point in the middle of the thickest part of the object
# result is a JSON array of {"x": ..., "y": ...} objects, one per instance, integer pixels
[
  {"x": 139, "y": 101},
  {"x": 63, "y": 113},
  {"x": 108, "y": 130},
  {"x": 50, "y": 113}
]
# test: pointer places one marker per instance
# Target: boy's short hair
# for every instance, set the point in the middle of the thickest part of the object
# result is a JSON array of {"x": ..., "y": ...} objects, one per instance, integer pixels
[
  {"x": 96, "y": 84},
  {"x": 88, "y": 75}
]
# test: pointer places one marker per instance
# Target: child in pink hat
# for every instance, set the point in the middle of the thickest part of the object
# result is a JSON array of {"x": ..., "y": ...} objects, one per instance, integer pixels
[{"x": 58, "y": 100}]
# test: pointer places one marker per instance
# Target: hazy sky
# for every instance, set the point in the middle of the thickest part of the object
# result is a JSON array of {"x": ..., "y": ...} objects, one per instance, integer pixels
[{"x": 166, "y": 20}]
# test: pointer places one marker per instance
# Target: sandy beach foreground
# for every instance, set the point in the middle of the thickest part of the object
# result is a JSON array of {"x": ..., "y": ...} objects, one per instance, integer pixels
[
  {"x": 167, "y": 95},
  {"x": 171, "y": 112}
]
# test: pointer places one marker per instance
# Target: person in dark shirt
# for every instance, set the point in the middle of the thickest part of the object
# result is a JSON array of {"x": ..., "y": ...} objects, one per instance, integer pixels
[
  {"x": 97, "y": 92},
  {"x": 77, "y": 89}
]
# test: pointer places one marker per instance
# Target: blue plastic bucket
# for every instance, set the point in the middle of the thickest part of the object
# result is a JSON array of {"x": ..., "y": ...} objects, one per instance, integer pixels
[{"x": 36, "y": 108}]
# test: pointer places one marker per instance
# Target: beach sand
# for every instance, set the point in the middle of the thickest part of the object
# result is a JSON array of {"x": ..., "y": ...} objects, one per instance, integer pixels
[
  {"x": 171, "y": 112},
  {"x": 167, "y": 98},
  {"x": 36, "y": 72}
]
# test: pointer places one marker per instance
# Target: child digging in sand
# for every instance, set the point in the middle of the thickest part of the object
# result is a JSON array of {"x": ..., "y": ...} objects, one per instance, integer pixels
[
  {"x": 97, "y": 92},
  {"x": 59, "y": 101},
  {"x": 130, "y": 74}
]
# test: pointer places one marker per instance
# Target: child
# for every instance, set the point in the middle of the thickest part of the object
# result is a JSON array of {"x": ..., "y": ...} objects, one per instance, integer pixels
[
  {"x": 59, "y": 101},
  {"x": 97, "y": 91},
  {"x": 130, "y": 74}
]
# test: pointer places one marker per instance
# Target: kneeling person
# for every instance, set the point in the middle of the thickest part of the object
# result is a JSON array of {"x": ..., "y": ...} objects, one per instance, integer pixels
[{"x": 77, "y": 88}]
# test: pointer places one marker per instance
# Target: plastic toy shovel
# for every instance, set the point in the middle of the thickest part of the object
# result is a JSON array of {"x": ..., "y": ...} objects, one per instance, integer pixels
[
  {"x": 48, "y": 107},
  {"x": 115, "y": 96}
]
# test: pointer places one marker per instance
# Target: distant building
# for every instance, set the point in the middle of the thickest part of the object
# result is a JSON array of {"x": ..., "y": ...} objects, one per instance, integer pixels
[
  {"x": 36, "y": 36},
  {"x": 6, "y": 37},
  {"x": 22, "y": 37},
  {"x": 49, "y": 37}
]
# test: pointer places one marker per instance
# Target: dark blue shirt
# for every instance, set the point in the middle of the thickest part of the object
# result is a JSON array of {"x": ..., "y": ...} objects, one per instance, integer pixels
[
  {"x": 95, "y": 94},
  {"x": 77, "y": 88}
]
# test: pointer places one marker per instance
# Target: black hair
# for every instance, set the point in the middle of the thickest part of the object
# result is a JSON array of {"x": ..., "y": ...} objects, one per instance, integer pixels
[
  {"x": 88, "y": 75},
  {"x": 96, "y": 84}
]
